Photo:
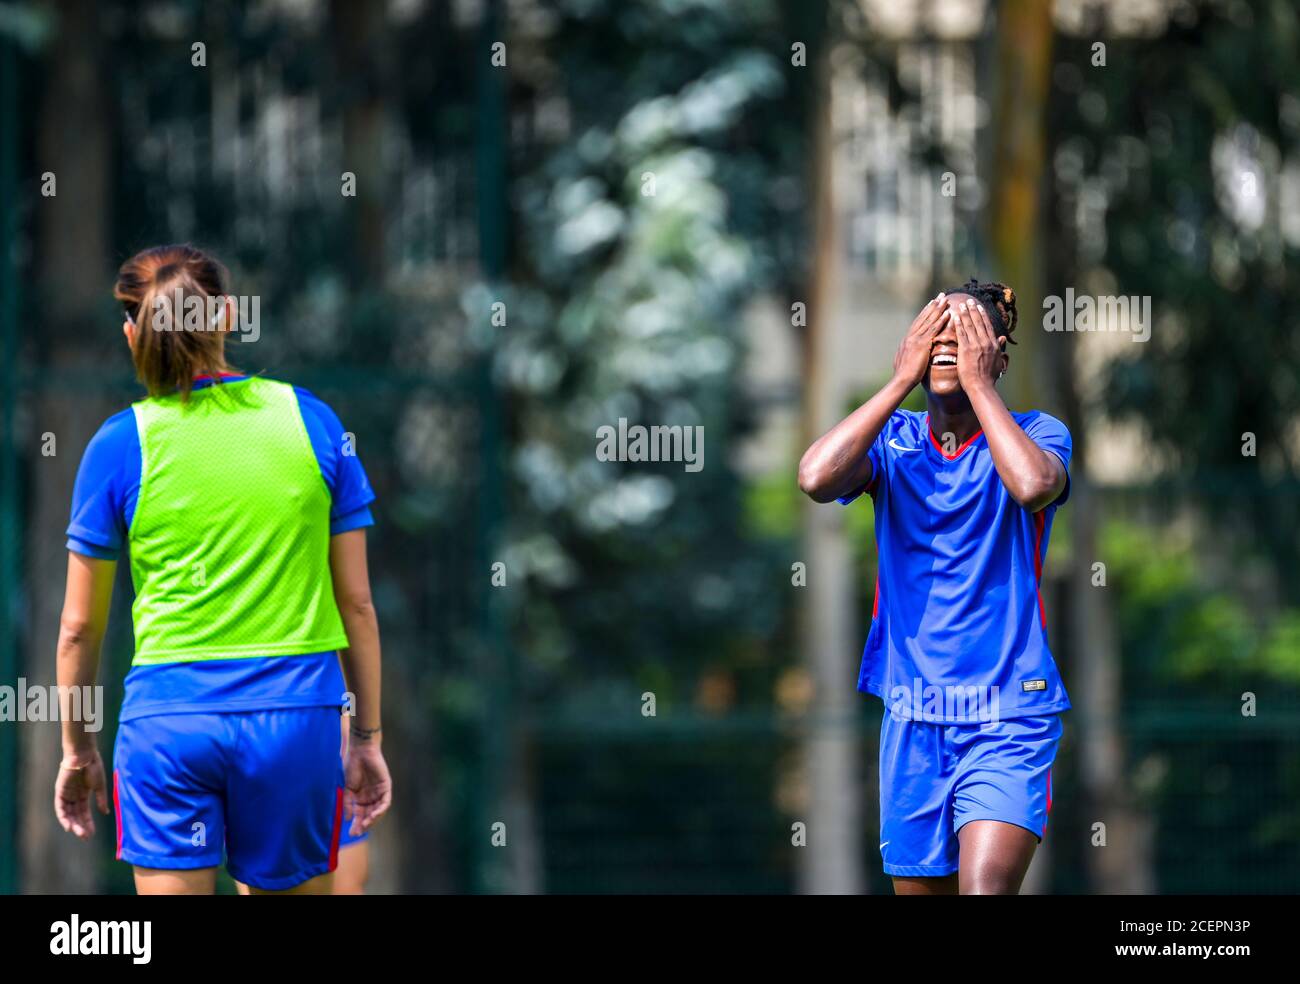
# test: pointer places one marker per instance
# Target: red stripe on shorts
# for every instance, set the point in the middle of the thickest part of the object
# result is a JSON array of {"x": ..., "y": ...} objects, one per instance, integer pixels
[
  {"x": 117, "y": 810},
  {"x": 338, "y": 829}
]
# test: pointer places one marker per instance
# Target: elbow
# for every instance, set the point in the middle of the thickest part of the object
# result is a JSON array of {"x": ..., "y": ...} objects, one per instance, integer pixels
[
  {"x": 357, "y": 607},
  {"x": 75, "y": 632},
  {"x": 813, "y": 483},
  {"x": 1036, "y": 494}
]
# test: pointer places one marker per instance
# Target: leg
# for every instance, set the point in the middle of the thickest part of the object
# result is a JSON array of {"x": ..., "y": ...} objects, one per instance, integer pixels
[
  {"x": 320, "y": 885},
  {"x": 994, "y": 857},
  {"x": 161, "y": 881},
  {"x": 1002, "y": 800},
  {"x": 353, "y": 872},
  {"x": 946, "y": 885}
]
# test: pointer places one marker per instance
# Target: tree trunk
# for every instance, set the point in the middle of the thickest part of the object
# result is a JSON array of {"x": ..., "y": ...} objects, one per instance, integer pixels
[
  {"x": 1023, "y": 83},
  {"x": 72, "y": 251},
  {"x": 357, "y": 29},
  {"x": 1023, "y": 78},
  {"x": 832, "y": 859},
  {"x": 1088, "y": 625},
  {"x": 1121, "y": 864}
]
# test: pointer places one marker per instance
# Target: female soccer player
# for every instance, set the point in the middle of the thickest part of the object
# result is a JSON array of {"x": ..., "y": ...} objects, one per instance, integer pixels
[
  {"x": 243, "y": 512},
  {"x": 964, "y": 497}
]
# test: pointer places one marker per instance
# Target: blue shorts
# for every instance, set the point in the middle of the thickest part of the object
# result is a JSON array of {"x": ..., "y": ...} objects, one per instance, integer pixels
[
  {"x": 263, "y": 789},
  {"x": 934, "y": 778}
]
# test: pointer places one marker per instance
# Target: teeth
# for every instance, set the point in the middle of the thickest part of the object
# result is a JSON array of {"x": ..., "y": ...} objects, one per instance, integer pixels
[{"x": 944, "y": 360}]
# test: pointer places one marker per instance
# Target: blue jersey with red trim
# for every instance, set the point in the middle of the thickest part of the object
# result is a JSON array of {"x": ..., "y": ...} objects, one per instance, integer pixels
[
  {"x": 103, "y": 506},
  {"x": 959, "y": 632}
]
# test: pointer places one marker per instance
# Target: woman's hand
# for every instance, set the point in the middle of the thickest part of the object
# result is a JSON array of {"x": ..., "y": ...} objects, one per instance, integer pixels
[
  {"x": 979, "y": 351},
  {"x": 80, "y": 776},
  {"x": 912, "y": 360},
  {"x": 369, "y": 787}
]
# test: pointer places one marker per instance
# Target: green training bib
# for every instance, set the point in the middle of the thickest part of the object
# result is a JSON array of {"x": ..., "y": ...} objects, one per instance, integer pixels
[{"x": 229, "y": 542}]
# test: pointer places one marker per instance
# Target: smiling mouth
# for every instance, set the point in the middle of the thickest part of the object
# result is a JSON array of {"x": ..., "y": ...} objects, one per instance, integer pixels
[{"x": 943, "y": 359}]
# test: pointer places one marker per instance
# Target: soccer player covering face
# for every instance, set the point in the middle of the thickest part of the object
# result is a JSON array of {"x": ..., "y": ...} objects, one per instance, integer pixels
[
  {"x": 964, "y": 496},
  {"x": 242, "y": 509}
]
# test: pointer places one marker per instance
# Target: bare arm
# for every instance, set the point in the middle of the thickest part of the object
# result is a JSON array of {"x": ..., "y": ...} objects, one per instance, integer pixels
[
  {"x": 361, "y": 658},
  {"x": 369, "y": 786},
  {"x": 1034, "y": 477},
  {"x": 81, "y": 631},
  {"x": 837, "y": 464}
]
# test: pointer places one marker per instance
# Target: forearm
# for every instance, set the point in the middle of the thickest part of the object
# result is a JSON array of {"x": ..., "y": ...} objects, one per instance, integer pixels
[
  {"x": 836, "y": 464},
  {"x": 77, "y": 665},
  {"x": 1032, "y": 476},
  {"x": 361, "y": 669}
]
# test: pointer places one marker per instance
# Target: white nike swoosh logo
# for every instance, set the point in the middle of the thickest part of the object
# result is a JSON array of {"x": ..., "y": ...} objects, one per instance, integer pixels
[{"x": 899, "y": 447}]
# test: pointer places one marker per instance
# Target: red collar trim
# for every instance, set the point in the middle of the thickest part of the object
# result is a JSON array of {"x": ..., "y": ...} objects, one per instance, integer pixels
[
  {"x": 205, "y": 378},
  {"x": 939, "y": 447}
]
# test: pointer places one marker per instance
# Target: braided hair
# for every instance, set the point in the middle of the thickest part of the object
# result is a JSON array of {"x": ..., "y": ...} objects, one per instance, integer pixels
[{"x": 998, "y": 300}]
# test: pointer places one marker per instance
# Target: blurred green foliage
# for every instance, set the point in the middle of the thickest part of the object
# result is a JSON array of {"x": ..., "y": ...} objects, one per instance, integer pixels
[
  {"x": 657, "y": 181},
  {"x": 1181, "y": 136},
  {"x": 636, "y": 249},
  {"x": 1182, "y": 631}
]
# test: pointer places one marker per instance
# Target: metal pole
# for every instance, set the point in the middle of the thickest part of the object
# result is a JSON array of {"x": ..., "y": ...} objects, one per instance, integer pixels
[
  {"x": 495, "y": 674},
  {"x": 10, "y": 573}
]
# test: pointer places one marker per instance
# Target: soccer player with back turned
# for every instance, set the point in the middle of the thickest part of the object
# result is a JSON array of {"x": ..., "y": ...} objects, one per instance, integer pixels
[{"x": 243, "y": 512}]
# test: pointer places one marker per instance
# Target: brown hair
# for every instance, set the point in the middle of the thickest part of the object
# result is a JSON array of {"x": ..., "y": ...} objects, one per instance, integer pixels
[{"x": 167, "y": 353}]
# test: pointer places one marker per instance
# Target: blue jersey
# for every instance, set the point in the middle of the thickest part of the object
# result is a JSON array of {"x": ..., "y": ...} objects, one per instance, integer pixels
[
  {"x": 103, "y": 505},
  {"x": 958, "y": 631}
]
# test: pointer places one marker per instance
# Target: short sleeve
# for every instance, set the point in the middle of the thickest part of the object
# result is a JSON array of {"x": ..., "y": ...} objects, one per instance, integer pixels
[
  {"x": 1053, "y": 436},
  {"x": 355, "y": 520},
  {"x": 105, "y": 492},
  {"x": 336, "y": 453},
  {"x": 876, "y": 456}
]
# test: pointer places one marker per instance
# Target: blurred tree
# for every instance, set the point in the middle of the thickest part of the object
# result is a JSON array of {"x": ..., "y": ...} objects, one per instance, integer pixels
[
  {"x": 1169, "y": 154},
  {"x": 358, "y": 33},
  {"x": 72, "y": 254},
  {"x": 1190, "y": 140},
  {"x": 653, "y": 153},
  {"x": 1018, "y": 134},
  {"x": 1021, "y": 66},
  {"x": 832, "y": 864}
]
